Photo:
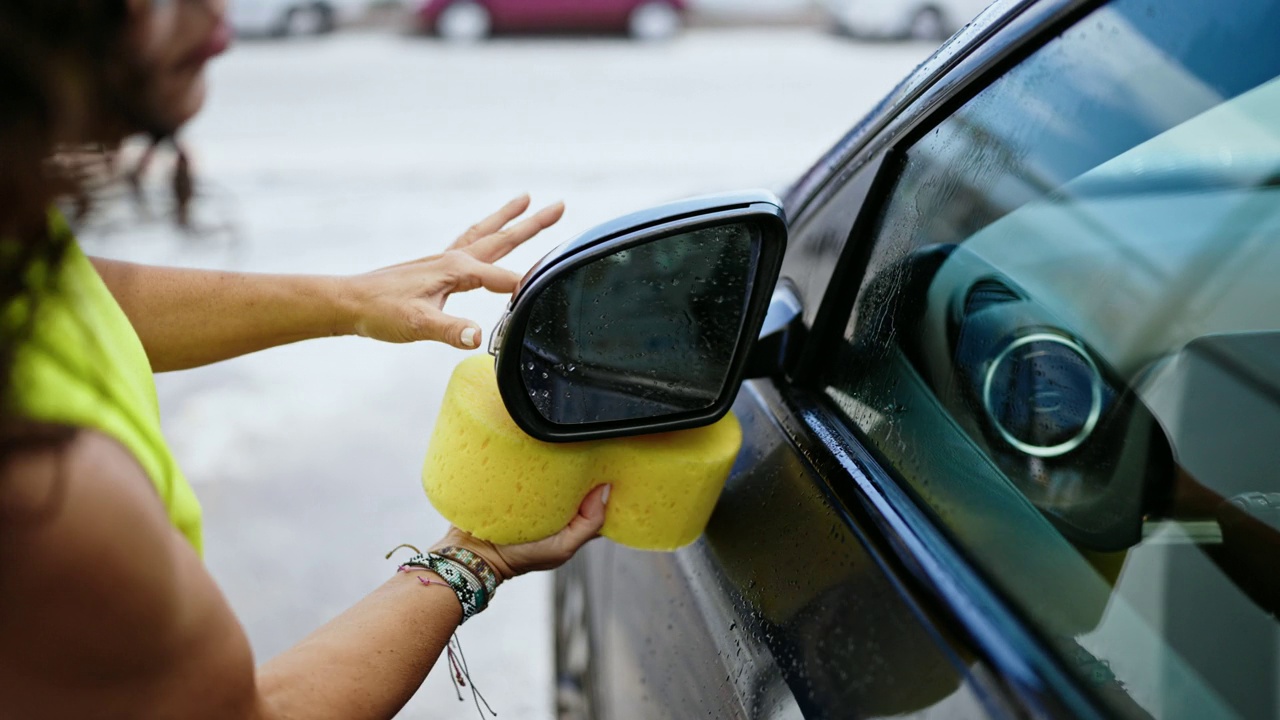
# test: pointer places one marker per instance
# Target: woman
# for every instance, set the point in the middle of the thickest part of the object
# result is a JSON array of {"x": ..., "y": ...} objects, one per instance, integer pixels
[{"x": 105, "y": 607}]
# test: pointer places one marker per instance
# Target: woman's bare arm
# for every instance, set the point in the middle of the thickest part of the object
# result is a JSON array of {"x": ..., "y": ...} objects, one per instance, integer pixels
[
  {"x": 107, "y": 611},
  {"x": 188, "y": 318}
]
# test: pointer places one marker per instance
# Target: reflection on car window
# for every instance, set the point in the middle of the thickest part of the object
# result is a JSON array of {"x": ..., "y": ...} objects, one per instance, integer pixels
[
  {"x": 1067, "y": 344},
  {"x": 681, "y": 301}
]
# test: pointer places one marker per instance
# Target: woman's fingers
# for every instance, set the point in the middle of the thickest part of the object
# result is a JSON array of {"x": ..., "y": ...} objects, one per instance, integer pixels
[
  {"x": 496, "y": 246},
  {"x": 404, "y": 303},
  {"x": 587, "y": 523},
  {"x": 469, "y": 273},
  {"x": 558, "y": 549},
  {"x": 458, "y": 332},
  {"x": 552, "y": 552},
  {"x": 464, "y": 273},
  {"x": 488, "y": 241},
  {"x": 493, "y": 223}
]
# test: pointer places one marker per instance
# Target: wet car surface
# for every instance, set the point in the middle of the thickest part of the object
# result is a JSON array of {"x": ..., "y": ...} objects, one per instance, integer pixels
[{"x": 1011, "y": 458}]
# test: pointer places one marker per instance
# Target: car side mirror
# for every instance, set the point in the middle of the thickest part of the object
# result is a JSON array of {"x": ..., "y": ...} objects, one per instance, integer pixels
[{"x": 643, "y": 324}]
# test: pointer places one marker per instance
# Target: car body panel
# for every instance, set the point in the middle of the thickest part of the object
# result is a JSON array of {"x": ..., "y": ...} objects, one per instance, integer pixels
[
  {"x": 513, "y": 16},
  {"x": 813, "y": 589},
  {"x": 818, "y": 239},
  {"x": 762, "y": 600}
]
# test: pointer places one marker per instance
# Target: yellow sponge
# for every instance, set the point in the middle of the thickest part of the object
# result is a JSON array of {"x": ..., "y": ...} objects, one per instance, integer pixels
[{"x": 486, "y": 476}]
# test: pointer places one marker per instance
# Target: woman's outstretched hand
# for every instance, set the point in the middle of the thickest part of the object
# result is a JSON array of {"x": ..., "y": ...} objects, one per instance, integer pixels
[
  {"x": 405, "y": 303},
  {"x": 512, "y": 560}
]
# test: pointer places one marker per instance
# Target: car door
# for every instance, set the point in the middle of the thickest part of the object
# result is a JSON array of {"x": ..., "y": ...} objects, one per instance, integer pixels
[
  {"x": 596, "y": 14},
  {"x": 885, "y": 527},
  {"x": 557, "y": 14}
]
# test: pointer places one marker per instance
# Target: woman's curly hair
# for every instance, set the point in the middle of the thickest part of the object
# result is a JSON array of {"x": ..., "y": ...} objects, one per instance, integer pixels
[{"x": 62, "y": 67}]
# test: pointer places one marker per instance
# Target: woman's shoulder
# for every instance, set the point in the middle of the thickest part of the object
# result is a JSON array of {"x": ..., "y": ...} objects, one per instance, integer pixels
[
  {"x": 93, "y": 574},
  {"x": 64, "y": 489}
]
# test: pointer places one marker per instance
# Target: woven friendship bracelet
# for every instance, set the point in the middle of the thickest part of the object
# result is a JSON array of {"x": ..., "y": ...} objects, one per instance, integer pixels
[
  {"x": 473, "y": 562},
  {"x": 471, "y": 591}
]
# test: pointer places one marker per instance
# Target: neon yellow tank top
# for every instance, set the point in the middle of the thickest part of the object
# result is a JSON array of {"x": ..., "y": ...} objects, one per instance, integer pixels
[{"x": 84, "y": 366}]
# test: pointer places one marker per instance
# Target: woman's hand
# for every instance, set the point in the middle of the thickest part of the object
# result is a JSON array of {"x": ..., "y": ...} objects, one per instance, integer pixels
[
  {"x": 512, "y": 560},
  {"x": 405, "y": 303}
]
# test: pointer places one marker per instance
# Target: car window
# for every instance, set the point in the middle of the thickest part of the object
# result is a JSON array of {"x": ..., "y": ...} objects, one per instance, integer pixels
[
  {"x": 1066, "y": 344},
  {"x": 820, "y": 234}
]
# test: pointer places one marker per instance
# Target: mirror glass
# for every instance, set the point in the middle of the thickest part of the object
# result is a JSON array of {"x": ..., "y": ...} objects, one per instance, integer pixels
[{"x": 643, "y": 332}]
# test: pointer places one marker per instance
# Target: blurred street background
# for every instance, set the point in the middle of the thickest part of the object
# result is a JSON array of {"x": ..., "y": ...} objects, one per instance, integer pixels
[{"x": 375, "y": 144}]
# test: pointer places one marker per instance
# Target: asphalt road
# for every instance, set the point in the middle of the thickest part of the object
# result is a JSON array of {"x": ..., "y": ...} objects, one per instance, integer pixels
[{"x": 364, "y": 149}]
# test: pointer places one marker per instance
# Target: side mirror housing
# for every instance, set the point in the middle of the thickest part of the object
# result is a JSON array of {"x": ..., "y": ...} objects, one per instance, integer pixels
[{"x": 643, "y": 324}]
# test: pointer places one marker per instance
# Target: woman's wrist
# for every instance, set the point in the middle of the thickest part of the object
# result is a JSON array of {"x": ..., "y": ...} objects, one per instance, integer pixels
[
  {"x": 471, "y": 579},
  {"x": 417, "y": 581},
  {"x": 316, "y": 305},
  {"x": 485, "y": 550},
  {"x": 343, "y": 303}
]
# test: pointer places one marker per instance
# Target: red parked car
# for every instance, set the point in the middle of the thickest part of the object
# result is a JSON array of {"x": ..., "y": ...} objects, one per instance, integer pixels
[{"x": 472, "y": 20}]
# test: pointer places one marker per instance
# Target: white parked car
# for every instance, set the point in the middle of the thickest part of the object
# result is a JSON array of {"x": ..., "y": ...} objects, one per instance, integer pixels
[
  {"x": 902, "y": 19},
  {"x": 283, "y": 18}
]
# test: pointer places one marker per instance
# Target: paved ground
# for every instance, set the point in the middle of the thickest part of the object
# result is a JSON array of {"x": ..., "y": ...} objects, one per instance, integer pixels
[{"x": 365, "y": 149}]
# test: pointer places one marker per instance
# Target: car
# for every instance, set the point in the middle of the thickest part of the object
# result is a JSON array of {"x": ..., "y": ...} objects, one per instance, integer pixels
[
  {"x": 473, "y": 20},
  {"x": 1005, "y": 363},
  {"x": 901, "y": 19},
  {"x": 290, "y": 18}
]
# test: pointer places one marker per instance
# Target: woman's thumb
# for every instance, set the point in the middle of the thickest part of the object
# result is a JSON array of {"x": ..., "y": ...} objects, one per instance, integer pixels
[
  {"x": 590, "y": 518},
  {"x": 457, "y": 332}
]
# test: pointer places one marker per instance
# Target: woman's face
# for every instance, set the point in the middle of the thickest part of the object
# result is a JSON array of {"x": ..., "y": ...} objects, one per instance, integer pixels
[{"x": 172, "y": 41}]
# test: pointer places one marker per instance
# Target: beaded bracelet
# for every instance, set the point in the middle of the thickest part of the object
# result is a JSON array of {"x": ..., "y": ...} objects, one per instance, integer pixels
[
  {"x": 473, "y": 562},
  {"x": 470, "y": 576},
  {"x": 469, "y": 588},
  {"x": 471, "y": 591},
  {"x": 425, "y": 581}
]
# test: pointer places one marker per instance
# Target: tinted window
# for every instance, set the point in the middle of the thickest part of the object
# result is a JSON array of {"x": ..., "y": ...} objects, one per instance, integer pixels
[{"x": 1067, "y": 344}]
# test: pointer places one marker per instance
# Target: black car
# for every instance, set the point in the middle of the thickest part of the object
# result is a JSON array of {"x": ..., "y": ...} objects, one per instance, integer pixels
[{"x": 1010, "y": 397}]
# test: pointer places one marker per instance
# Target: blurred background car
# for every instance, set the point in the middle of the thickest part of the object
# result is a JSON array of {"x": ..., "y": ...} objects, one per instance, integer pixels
[
  {"x": 289, "y": 18},
  {"x": 902, "y": 19},
  {"x": 472, "y": 20},
  {"x": 768, "y": 13}
]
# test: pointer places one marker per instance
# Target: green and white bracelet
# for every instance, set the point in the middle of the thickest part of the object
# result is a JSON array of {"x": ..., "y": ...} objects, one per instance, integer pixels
[
  {"x": 469, "y": 576},
  {"x": 472, "y": 593}
]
